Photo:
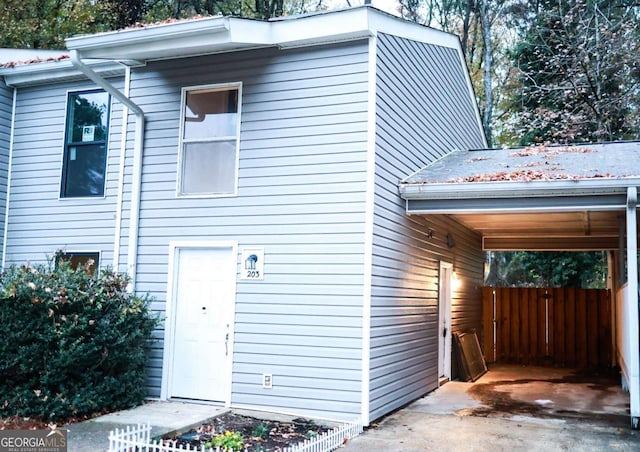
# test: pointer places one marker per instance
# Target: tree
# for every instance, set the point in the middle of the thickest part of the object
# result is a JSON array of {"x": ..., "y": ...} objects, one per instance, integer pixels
[
  {"x": 126, "y": 12},
  {"x": 44, "y": 24},
  {"x": 548, "y": 269},
  {"x": 578, "y": 69},
  {"x": 481, "y": 25},
  {"x": 177, "y": 9}
]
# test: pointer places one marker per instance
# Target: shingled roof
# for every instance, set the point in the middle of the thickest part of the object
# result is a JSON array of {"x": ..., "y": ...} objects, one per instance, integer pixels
[{"x": 534, "y": 163}]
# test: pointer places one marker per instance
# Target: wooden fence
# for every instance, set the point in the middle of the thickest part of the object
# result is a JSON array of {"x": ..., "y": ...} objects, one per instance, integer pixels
[{"x": 563, "y": 327}]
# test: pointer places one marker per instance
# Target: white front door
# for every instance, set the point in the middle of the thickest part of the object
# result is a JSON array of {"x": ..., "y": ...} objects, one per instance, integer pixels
[
  {"x": 204, "y": 298},
  {"x": 444, "y": 321}
]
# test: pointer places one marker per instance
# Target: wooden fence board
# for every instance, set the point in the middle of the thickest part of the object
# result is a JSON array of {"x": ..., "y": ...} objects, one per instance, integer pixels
[
  {"x": 570, "y": 328},
  {"x": 581, "y": 328},
  {"x": 515, "y": 327},
  {"x": 487, "y": 324},
  {"x": 523, "y": 293},
  {"x": 554, "y": 326},
  {"x": 541, "y": 327},
  {"x": 559, "y": 335},
  {"x": 592, "y": 329},
  {"x": 533, "y": 325},
  {"x": 604, "y": 330}
]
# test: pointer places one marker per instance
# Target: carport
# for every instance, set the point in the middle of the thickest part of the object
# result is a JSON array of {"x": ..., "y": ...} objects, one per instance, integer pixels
[
  {"x": 510, "y": 408},
  {"x": 550, "y": 198}
]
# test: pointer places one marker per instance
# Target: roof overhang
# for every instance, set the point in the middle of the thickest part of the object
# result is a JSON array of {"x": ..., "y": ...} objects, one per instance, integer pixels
[
  {"x": 501, "y": 197},
  {"x": 108, "y": 53},
  {"x": 224, "y": 34},
  {"x": 585, "y": 215},
  {"x": 56, "y": 71}
]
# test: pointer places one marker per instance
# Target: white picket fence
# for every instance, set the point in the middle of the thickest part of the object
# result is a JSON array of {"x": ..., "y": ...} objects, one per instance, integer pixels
[{"x": 138, "y": 439}]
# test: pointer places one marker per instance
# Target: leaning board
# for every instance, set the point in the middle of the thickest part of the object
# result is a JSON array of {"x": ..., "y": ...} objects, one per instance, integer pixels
[{"x": 471, "y": 359}]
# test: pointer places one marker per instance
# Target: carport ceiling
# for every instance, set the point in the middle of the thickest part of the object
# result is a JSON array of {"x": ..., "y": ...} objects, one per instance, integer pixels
[
  {"x": 536, "y": 198},
  {"x": 585, "y": 231}
]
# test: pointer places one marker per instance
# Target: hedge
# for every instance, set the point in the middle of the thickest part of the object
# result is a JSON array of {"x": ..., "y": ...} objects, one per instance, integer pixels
[{"x": 71, "y": 343}]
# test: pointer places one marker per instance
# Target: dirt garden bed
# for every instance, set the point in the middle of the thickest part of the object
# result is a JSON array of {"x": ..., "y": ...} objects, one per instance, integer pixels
[{"x": 254, "y": 434}]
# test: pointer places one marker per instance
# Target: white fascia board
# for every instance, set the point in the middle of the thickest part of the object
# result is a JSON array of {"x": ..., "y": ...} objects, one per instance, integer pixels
[
  {"x": 224, "y": 34},
  {"x": 175, "y": 40},
  {"x": 344, "y": 25},
  {"x": 474, "y": 190},
  {"x": 351, "y": 24},
  {"x": 380, "y": 22},
  {"x": 104, "y": 45},
  {"x": 56, "y": 71}
]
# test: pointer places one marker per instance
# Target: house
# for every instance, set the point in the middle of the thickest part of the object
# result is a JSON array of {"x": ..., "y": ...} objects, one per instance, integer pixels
[
  {"x": 6, "y": 107},
  {"x": 550, "y": 198},
  {"x": 245, "y": 174}
]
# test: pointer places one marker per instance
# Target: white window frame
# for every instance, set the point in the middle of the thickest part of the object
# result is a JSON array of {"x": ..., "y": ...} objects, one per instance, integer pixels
[{"x": 181, "y": 142}]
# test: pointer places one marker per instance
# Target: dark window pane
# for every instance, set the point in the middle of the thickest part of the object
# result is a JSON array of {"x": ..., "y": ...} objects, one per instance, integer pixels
[
  {"x": 87, "y": 117},
  {"x": 85, "y": 154},
  {"x": 81, "y": 259},
  {"x": 85, "y": 170}
]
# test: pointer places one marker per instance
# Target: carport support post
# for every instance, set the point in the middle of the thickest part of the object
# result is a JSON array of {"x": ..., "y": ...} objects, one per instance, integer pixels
[{"x": 632, "y": 281}]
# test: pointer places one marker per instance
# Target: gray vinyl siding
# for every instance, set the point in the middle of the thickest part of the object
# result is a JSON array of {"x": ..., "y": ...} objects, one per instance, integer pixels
[
  {"x": 6, "y": 106},
  {"x": 301, "y": 195},
  {"x": 424, "y": 110},
  {"x": 39, "y": 221}
]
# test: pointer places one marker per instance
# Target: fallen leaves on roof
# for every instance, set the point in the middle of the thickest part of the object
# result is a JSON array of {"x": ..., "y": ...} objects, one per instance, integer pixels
[
  {"x": 11, "y": 64},
  {"x": 524, "y": 176},
  {"x": 476, "y": 159},
  {"x": 170, "y": 20},
  {"x": 548, "y": 151}
]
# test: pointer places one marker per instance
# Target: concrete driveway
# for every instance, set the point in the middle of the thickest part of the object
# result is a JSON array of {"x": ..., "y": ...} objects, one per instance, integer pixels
[{"x": 511, "y": 408}]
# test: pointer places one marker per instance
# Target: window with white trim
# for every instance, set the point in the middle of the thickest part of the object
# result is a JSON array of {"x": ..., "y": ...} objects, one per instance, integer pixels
[{"x": 210, "y": 138}]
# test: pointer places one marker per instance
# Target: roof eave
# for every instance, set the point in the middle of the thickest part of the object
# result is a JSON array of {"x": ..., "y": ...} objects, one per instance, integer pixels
[
  {"x": 46, "y": 72},
  {"x": 190, "y": 37},
  {"x": 513, "y": 189},
  {"x": 225, "y": 34},
  {"x": 517, "y": 197}
]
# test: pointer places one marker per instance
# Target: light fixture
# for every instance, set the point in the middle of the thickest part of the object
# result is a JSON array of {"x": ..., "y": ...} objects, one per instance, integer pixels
[
  {"x": 456, "y": 283},
  {"x": 450, "y": 241}
]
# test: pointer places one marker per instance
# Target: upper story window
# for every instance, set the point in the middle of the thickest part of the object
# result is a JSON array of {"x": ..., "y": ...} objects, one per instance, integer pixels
[
  {"x": 210, "y": 138},
  {"x": 85, "y": 145}
]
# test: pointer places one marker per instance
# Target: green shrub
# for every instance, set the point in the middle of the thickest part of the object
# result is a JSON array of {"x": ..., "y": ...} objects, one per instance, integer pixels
[{"x": 71, "y": 344}]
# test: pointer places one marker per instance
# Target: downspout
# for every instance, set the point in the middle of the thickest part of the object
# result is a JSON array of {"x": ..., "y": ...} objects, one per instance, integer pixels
[
  {"x": 121, "y": 171},
  {"x": 134, "y": 217},
  {"x": 632, "y": 287},
  {"x": 9, "y": 166}
]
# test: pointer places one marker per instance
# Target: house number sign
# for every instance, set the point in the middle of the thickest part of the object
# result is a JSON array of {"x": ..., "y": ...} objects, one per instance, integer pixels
[{"x": 252, "y": 263}]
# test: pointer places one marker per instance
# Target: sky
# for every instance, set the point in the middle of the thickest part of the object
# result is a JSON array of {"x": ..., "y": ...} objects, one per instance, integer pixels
[{"x": 390, "y": 6}]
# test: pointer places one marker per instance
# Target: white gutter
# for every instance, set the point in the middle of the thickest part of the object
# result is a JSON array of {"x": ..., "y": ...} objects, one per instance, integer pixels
[
  {"x": 48, "y": 71},
  {"x": 134, "y": 219},
  {"x": 9, "y": 166},
  {"x": 543, "y": 188}
]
